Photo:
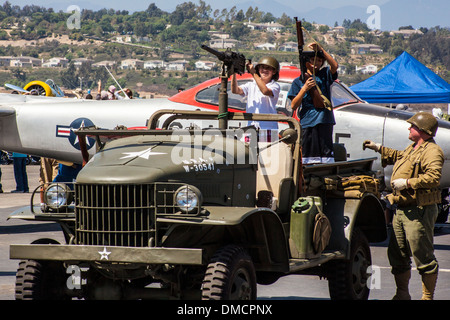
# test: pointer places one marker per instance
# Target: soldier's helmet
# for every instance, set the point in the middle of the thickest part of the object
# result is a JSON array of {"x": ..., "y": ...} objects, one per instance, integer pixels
[
  {"x": 272, "y": 62},
  {"x": 425, "y": 121}
]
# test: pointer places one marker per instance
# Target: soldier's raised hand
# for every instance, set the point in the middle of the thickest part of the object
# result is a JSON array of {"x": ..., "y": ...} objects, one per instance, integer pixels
[{"x": 371, "y": 145}]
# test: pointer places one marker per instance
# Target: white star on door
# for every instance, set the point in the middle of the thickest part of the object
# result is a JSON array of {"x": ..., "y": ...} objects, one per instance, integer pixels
[{"x": 141, "y": 154}]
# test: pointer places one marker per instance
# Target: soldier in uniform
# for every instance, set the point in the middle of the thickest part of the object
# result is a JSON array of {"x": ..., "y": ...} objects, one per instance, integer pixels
[{"x": 415, "y": 182}]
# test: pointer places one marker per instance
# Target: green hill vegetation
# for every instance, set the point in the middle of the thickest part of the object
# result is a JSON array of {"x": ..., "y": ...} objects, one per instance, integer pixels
[{"x": 43, "y": 33}]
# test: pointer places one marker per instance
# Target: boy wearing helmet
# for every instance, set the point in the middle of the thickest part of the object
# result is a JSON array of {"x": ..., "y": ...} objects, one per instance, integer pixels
[
  {"x": 262, "y": 93},
  {"x": 415, "y": 182},
  {"x": 317, "y": 121}
]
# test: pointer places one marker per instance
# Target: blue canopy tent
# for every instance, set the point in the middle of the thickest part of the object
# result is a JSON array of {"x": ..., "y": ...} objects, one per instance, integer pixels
[{"x": 404, "y": 80}]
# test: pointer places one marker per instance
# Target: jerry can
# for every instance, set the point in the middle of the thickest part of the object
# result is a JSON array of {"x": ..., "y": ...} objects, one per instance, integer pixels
[{"x": 303, "y": 214}]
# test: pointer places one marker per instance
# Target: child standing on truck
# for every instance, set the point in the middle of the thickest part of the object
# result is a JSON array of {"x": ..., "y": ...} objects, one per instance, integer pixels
[{"x": 262, "y": 93}]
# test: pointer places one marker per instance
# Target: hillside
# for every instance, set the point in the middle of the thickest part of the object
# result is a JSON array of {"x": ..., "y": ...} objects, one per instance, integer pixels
[{"x": 157, "y": 35}]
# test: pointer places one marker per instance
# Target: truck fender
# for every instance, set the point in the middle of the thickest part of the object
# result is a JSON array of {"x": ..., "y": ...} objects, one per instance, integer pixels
[
  {"x": 264, "y": 228},
  {"x": 367, "y": 214}
]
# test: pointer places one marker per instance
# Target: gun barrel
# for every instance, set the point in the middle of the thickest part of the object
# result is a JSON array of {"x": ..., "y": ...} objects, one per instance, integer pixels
[
  {"x": 300, "y": 39},
  {"x": 218, "y": 54}
]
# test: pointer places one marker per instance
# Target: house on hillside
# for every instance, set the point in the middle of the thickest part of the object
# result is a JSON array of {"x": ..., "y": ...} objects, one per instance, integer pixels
[
  {"x": 289, "y": 47},
  {"x": 366, "y": 48},
  {"x": 265, "y": 46},
  {"x": 177, "y": 65},
  {"x": 154, "y": 64},
  {"x": 405, "y": 33},
  {"x": 338, "y": 30},
  {"x": 204, "y": 65},
  {"x": 25, "y": 62},
  {"x": 271, "y": 27},
  {"x": 56, "y": 62},
  {"x": 131, "y": 64},
  {"x": 104, "y": 63},
  {"x": 82, "y": 61},
  {"x": 367, "y": 69},
  {"x": 223, "y": 43},
  {"x": 219, "y": 34}
]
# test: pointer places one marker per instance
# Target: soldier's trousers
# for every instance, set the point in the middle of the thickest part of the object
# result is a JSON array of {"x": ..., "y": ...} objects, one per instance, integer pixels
[{"x": 412, "y": 235}]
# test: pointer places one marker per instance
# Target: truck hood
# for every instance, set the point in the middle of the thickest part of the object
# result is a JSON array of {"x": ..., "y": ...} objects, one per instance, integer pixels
[{"x": 147, "y": 159}]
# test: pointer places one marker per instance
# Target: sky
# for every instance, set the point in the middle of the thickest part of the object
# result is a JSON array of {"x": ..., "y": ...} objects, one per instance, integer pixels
[{"x": 388, "y": 14}]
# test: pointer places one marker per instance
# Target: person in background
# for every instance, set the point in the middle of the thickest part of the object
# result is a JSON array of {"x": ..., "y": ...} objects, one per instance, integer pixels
[
  {"x": 101, "y": 94},
  {"x": 111, "y": 93},
  {"x": 20, "y": 172},
  {"x": 89, "y": 95},
  {"x": 67, "y": 172},
  {"x": 1, "y": 189},
  {"x": 129, "y": 93},
  {"x": 47, "y": 172}
]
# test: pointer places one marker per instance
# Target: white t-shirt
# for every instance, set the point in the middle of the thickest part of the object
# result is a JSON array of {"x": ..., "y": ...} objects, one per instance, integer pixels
[{"x": 259, "y": 103}]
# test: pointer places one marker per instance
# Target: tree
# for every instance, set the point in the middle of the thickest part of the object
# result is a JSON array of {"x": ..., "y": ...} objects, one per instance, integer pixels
[
  {"x": 153, "y": 11},
  {"x": 69, "y": 77}
]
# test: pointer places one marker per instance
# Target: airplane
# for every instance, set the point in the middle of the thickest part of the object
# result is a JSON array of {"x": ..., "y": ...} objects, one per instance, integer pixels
[
  {"x": 47, "y": 88},
  {"x": 43, "y": 126}
]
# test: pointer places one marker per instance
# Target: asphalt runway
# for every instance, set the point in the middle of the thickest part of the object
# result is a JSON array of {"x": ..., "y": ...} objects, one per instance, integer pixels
[{"x": 293, "y": 287}]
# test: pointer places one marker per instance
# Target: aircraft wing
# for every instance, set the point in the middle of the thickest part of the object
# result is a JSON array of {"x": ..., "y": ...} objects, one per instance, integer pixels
[
  {"x": 45, "y": 127},
  {"x": 17, "y": 88}
]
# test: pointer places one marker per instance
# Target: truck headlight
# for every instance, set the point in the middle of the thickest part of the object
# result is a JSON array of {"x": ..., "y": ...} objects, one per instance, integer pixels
[
  {"x": 57, "y": 196},
  {"x": 188, "y": 199}
]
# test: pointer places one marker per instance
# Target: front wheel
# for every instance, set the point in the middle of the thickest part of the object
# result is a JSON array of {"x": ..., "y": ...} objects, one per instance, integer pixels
[
  {"x": 40, "y": 280},
  {"x": 230, "y": 276},
  {"x": 347, "y": 279}
]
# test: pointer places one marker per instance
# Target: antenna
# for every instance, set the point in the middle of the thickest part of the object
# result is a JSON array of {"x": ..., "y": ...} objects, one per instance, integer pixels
[{"x": 126, "y": 96}]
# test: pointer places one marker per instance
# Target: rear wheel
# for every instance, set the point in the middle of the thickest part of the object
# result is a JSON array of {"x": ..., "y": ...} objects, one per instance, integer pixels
[
  {"x": 230, "y": 276},
  {"x": 347, "y": 279}
]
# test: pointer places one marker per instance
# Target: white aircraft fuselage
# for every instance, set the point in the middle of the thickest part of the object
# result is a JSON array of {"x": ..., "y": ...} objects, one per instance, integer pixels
[{"x": 44, "y": 126}]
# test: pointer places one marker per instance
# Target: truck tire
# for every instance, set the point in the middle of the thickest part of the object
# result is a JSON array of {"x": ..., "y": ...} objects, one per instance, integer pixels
[
  {"x": 230, "y": 276},
  {"x": 347, "y": 279},
  {"x": 40, "y": 280}
]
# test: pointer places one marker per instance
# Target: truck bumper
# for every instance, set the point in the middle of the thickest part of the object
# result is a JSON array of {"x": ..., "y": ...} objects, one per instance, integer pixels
[{"x": 107, "y": 254}]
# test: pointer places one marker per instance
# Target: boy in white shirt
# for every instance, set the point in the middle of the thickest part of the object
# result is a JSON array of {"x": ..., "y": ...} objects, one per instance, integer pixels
[{"x": 262, "y": 93}]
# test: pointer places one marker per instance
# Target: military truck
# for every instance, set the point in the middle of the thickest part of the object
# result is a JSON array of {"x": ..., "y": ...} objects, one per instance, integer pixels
[
  {"x": 202, "y": 214},
  {"x": 211, "y": 226}
]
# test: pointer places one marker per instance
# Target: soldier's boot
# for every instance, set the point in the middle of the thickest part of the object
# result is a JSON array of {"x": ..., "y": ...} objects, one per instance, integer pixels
[
  {"x": 402, "y": 283},
  {"x": 428, "y": 285}
]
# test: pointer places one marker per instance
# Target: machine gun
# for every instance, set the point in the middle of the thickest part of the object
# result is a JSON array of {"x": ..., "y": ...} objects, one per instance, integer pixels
[
  {"x": 304, "y": 57},
  {"x": 233, "y": 61}
]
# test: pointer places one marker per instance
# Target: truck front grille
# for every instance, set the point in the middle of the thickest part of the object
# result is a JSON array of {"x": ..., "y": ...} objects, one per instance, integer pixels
[
  {"x": 123, "y": 215},
  {"x": 114, "y": 215}
]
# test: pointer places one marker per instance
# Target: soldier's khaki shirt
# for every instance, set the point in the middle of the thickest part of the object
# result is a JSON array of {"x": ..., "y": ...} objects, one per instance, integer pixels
[{"x": 423, "y": 168}]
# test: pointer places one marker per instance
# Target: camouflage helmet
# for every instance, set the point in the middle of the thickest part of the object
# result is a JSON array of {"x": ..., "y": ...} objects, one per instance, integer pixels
[
  {"x": 425, "y": 121},
  {"x": 272, "y": 62}
]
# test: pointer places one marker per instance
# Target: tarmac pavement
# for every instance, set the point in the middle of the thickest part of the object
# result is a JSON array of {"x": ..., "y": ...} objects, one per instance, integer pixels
[{"x": 293, "y": 287}]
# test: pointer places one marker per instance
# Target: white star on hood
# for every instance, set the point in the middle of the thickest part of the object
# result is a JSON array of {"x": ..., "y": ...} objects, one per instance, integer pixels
[{"x": 141, "y": 154}]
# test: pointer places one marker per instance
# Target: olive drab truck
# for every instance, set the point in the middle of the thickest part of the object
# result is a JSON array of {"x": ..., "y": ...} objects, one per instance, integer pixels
[{"x": 202, "y": 214}]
